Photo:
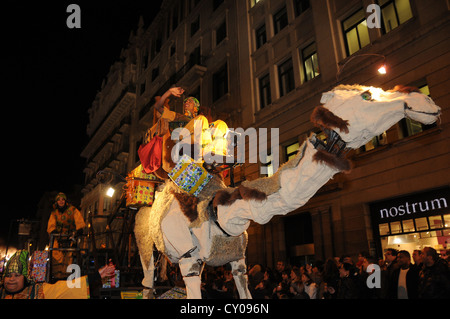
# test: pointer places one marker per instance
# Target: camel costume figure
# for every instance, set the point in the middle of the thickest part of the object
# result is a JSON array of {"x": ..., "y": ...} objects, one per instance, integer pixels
[{"x": 211, "y": 228}]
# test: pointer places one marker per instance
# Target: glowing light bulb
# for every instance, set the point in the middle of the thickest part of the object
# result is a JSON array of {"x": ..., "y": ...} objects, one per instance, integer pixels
[{"x": 382, "y": 69}]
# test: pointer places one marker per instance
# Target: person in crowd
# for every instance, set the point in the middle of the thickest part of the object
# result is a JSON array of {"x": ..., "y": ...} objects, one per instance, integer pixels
[
  {"x": 18, "y": 285},
  {"x": 446, "y": 255},
  {"x": 229, "y": 287},
  {"x": 330, "y": 278},
  {"x": 369, "y": 267},
  {"x": 405, "y": 279},
  {"x": 361, "y": 256},
  {"x": 255, "y": 275},
  {"x": 434, "y": 278},
  {"x": 310, "y": 286},
  {"x": 417, "y": 258},
  {"x": 347, "y": 287},
  {"x": 297, "y": 288},
  {"x": 265, "y": 288},
  {"x": 279, "y": 268},
  {"x": 67, "y": 222}
]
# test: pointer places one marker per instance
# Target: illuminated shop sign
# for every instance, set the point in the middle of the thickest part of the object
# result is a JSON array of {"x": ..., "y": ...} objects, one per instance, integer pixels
[{"x": 411, "y": 206}]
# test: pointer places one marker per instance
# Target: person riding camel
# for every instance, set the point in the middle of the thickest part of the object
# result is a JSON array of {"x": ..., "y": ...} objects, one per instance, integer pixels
[{"x": 209, "y": 136}]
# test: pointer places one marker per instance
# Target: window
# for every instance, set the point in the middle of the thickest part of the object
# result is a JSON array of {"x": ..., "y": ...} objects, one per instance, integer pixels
[
  {"x": 280, "y": 20},
  {"x": 300, "y": 6},
  {"x": 142, "y": 88},
  {"x": 216, "y": 4},
  {"x": 155, "y": 73},
  {"x": 268, "y": 164},
  {"x": 220, "y": 83},
  {"x": 261, "y": 36},
  {"x": 195, "y": 26},
  {"x": 310, "y": 62},
  {"x": 286, "y": 77},
  {"x": 265, "y": 97},
  {"x": 356, "y": 32},
  {"x": 394, "y": 13},
  {"x": 291, "y": 150},
  {"x": 410, "y": 127},
  {"x": 192, "y": 4},
  {"x": 145, "y": 59},
  {"x": 254, "y": 2},
  {"x": 221, "y": 32}
]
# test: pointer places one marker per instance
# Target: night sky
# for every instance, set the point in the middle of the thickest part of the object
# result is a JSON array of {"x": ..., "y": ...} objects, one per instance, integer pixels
[{"x": 52, "y": 76}]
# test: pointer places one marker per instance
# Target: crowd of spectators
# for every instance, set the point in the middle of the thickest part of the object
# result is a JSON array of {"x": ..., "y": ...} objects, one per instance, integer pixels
[{"x": 424, "y": 275}]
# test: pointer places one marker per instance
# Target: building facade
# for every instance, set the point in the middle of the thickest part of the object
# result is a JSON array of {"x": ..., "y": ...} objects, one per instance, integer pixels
[{"x": 265, "y": 64}]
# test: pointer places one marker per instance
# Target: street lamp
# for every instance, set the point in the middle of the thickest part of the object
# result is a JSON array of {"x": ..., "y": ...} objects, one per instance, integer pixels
[
  {"x": 381, "y": 70},
  {"x": 110, "y": 192}
]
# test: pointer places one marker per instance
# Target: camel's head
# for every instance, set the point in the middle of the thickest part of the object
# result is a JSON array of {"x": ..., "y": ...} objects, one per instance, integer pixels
[{"x": 359, "y": 113}]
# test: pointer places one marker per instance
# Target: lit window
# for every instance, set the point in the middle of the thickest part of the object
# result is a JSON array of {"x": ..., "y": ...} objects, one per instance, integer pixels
[
  {"x": 268, "y": 164},
  {"x": 395, "y": 13},
  {"x": 254, "y": 2},
  {"x": 292, "y": 150},
  {"x": 421, "y": 223},
  {"x": 356, "y": 32},
  {"x": 384, "y": 229},
  {"x": 410, "y": 127},
  {"x": 310, "y": 62}
]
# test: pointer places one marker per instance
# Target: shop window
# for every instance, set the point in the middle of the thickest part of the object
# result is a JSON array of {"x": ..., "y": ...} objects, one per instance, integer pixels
[
  {"x": 261, "y": 36},
  {"x": 292, "y": 150},
  {"x": 280, "y": 20},
  {"x": 408, "y": 225},
  {"x": 435, "y": 222},
  {"x": 447, "y": 220},
  {"x": 286, "y": 77},
  {"x": 310, "y": 62},
  {"x": 396, "y": 228},
  {"x": 384, "y": 229},
  {"x": 356, "y": 33},
  {"x": 395, "y": 13},
  {"x": 264, "y": 91},
  {"x": 421, "y": 223}
]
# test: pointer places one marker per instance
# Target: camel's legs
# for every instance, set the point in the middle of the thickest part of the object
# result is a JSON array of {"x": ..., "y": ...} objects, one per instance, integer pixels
[
  {"x": 239, "y": 271},
  {"x": 180, "y": 248},
  {"x": 147, "y": 282}
]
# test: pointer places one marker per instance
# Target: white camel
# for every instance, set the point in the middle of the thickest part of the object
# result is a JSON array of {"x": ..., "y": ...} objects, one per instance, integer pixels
[{"x": 211, "y": 228}]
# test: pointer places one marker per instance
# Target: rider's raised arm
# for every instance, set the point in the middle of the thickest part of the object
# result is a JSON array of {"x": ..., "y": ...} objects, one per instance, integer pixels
[{"x": 176, "y": 91}]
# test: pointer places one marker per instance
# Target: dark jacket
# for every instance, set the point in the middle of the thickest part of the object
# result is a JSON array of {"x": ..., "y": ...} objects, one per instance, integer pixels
[
  {"x": 434, "y": 281},
  {"x": 412, "y": 282}
]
